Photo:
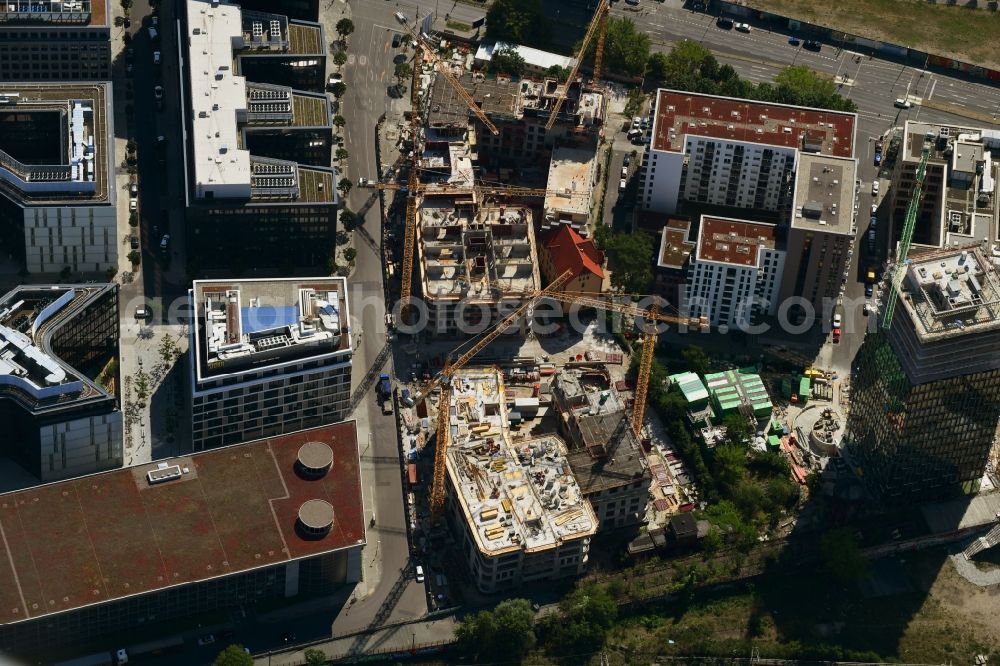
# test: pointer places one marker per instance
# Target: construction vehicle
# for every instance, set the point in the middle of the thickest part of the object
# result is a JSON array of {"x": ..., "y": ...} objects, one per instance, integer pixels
[
  {"x": 898, "y": 271},
  {"x": 385, "y": 393},
  {"x": 599, "y": 23}
]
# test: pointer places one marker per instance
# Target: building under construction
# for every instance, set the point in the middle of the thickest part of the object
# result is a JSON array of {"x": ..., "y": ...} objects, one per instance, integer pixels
[
  {"x": 604, "y": 454},
  {"x": 476, "y": 261},
  {"x": 926, "y": 392},
  {"x": 513, "y": 500}
]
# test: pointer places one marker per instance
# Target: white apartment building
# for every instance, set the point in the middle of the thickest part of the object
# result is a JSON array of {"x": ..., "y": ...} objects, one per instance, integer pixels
[
  {"x": 271, "y": 357},
  {"x": 57, "y": 177},
  {"x": 736, "y": 271},
  {"x": 733, "y": 152}
]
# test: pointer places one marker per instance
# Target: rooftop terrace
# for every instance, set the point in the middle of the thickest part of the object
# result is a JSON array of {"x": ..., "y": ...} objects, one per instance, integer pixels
[
  {"x": 53, "y": 143},
  {"x": 245, "y": 324},
  {"x": 112, "y": 535},
  {"x": 814, "y": 130},
  {"x": 734, "y": 242},
  {"x": 514, "y": 494},
  {"x": 675, "y": 244},
  {"x": 824, "y": 193},
  {"x": 55, "y": 13},
  {"x": 572, "y": 170},
  {"x": 30, "y": 372}
]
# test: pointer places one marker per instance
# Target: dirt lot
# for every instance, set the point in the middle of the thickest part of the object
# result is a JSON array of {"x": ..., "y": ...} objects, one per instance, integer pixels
[{"x": 953, "y": 31}]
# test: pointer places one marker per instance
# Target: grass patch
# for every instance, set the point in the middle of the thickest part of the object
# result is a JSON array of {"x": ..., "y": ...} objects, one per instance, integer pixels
[
  {"x": 458, "y": 26},
  {"x": 953, "y": 31}
]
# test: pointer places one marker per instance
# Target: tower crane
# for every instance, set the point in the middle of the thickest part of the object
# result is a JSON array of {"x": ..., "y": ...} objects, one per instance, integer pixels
[
  {"x": 597, "y": 24},
  {"x": 442, "y": 69},
  {"x": 411, "y": 203},
  {"x": 912, "y": 209},
  {"x": 443, "y": 380}
]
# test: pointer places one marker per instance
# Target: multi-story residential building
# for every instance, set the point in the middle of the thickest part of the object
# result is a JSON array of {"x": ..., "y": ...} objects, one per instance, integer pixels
[
  {"x": 735, "y": 272},
  {"x": 246, "y": 209},
  {"x": 925, "y": 394},
  {"x": 958, "y": 198},
  {"x": 604, "y": 454},
  {"x": 565, "y": 250},
  {"x": 55, "y": 40},
  {"x": 476, "y": 263},
  {"x": 822, "y": 231},
  {"x": 269, "y": 357},
  {"x": 58, "y": 209},
  {"x": 673, "y": 256},
  {"x": 267, "y": 520},
  {"x": 733, "y": 152},
  {"x": 572, "y": 176},
  {"x": 515, "y": 507},
  {"x": 59, "y": 383}
]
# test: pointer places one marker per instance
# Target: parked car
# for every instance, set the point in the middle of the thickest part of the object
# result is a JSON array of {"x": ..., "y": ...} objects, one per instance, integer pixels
[
  {"x": 419, "y": 573},
  {"x": 165, "y": 242},
  {"x": 725, "y": 23},
  {"x": 874, "y": 209},
  {"x": 207, "y": 639},
  {"x": 869, "y": 290},
  {"x": 743, "y": 27},
  {"x": 902, "y": 103},
  {"x": 133, "y": 189},
  {"x": 836, "y": 335},
  {"x": 133, "y": 205},
  {"x": 873, "y": 221},
  {"x": 624, "y": 172},
  {"x": 878, "y": 157},
  {"x": 794, "y": 41},
  {"x": 628, "y": 159},
  {"x": 133, "y": 242},
  {"x": 397, "y": 39},
  {"x": 874, "y": 188},
  {"x": 836, "y": 320},
  {"x": 158, "y": 96},
  {"x": 622, "y": 184},
  {"x": 812, "y": 45},
  {"x": 156, "y": 57}
]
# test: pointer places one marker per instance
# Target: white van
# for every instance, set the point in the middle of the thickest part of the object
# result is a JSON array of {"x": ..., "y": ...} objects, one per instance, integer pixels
[{"x": 401, "y": 17}]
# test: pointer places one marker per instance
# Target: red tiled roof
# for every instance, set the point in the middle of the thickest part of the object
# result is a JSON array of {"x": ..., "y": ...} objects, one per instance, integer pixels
[
  {"x": 568, "y": 250},
  {"x": 682, "y": 113},
  {"x": 106, "y": 536},
  {"x": 734, "y": 242}
]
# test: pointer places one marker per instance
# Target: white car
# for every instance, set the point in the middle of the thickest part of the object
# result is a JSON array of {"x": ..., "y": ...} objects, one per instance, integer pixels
[
  {"x": 133, "y": 189},
  {"x": 742, "y": 27},
  {"x": 420, "y": 573},
  {"x": 902, "y": 103},
  {"x": 836, "y": 320},
  {"x": 622, "y": 184},
  {"x": 133, "y": 205},
  {"x": 874, "y": 188},
  {"x": 874, "y": 209},
  {"x": 624, "y": 172}
]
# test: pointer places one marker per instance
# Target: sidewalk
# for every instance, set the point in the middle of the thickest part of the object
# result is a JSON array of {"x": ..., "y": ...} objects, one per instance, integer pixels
[{"x": 404, "y": 639}]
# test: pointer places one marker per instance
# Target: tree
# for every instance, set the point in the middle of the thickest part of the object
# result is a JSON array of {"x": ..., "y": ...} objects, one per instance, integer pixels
[
  {"x": 234, "y": 655},
  {"x": 314, "y": 657},
  {"x": 350, "y": 254},
  {"x": 582, "y": 622},
  {"x": 344, "y": 27},
  {"x": 168, "y": 348},
  {"x": 737, "y": 430},
  {"x": 800, "y": 85},
  {"x": 842, "y": 555},
  {"x": 507, "y": 632},
  {"x": 341, "y": 154},
  {"x": 338, "y": 89},
  {"x": 338, "y": 121},
  {"x": 345, "y": 186},
  {"x": 506, "y": 61},
  {"x": 558, "y": 72},
  {"x": 340, "y": 58},
  {"x": 135, "y": 257},
  {"x": 626, "y": 50},
  {"x": 349, "y": 219},
  {"x": 629, "y": 257},
  {"x": 729, "y": 467},
  {"x": 403, "y": 71},
  {"x": 518, "y": 21},
  {"x": 130, "y": 146},
  {"x": 697, "y": 360}
]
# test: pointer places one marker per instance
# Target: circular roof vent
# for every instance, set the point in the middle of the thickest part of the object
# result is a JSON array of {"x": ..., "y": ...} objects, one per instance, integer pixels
[
  {"x": 316, "y": 517},
  {"x": 315, "y": 458}
]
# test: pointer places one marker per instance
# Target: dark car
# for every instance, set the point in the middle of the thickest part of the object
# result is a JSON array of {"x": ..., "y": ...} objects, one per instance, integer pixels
[
  {"x": 725, "y": 23},
  {"x": 878, "y": 158},
  {"x": 397, "y": 39},
  {"x": 869, "y": 289},
  {"x": 812, "y": 45},
  {"x": 133, "y": 242},
  {"x": 794, "y": 41}
]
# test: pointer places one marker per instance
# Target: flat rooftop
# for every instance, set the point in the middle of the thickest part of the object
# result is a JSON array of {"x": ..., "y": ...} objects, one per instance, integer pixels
[
  {"x": 679, "y": 114},
  {"x": 496, "y": 97},
  {"x": 824, "y": 194},
  {"x": 676, "y": 245},
  {"x": 735, "y": 242},
  {"x": 107, "y": 536},
  {"x": 270, "y": 106},
  {"x": 53, "y": 143},
  {"x": 55, "y": 13},
  {"x": 952, "y": 293},
  {"x": 515, "y": 494},
  {"x": 30, "y": 371},
  {"x": 572, "y": 172},
  {"x": 483, "y": 254},
  {"x": 249, "y": 324}
]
